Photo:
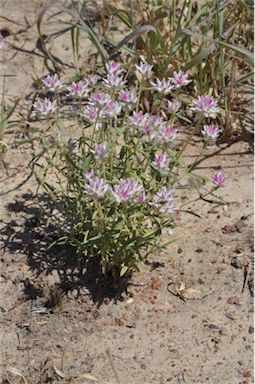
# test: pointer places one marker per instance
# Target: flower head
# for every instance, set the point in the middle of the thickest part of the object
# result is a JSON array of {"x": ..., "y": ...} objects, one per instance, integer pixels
[
  {"x": 210, "y": 131},
  {"x": 91, "y": 113},
  {"x": 206, "y": 106},
  {"x": 44, "y": 107},
  {"x": 163, "y": 86},
  {"x": 100, "y": 99},
  {"x": 160, "y": 162},
  {"x": 96, "y": 188},
  {"x": 112, "y": 109},
  {"x": 89, "y": 175},
  {"x": 79, "y": 89},
  {"x": 113, "y": 81},
  {"x": 92, "y": 79},
  {"x": 140, "y": 121},
  {"x": 173, "y": 106},
  {"x": 163, "y": 200},
  {"x": 143, "y": 69},
  {"x": 128, "y": 97},
  {"x": 156, "y": 121},
  {"x": 164, "y": 134},
  {"x": 3, "y": 43},
  {"x": 113, "y": 67},
  {"x": 52, "y": 82},
  {"x": 180, "y": 79},
  {"x": 127, "y": 190},
  {"x": 141, "y": 197},
  {"x": 218, "y": 179},
  {"x": 100, "y": 151}
]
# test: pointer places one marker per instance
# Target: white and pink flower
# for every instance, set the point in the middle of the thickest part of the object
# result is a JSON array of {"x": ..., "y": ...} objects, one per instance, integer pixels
[
  {"x": 164, "y": 134},
  {"x": 112, "y": 109},
  {"x": 140, "y": 121},
  {"x": 163, "y": 86},
  {"x": 218, "y": 179},
  {"x": 161, "y": 162},
  {"x": 91, "y": 114},
  {"x": 100, "y": 99},
  {"x": 207, "y": 106},
  {"x": 92, "y": 79},
  {"x": 180, "y": 79},
  {"x": 164, "y": 200},
  {"x": 114, "y": 81},
  {"x": 127, "y": 190},
  {"x": 210, "y": 131},
  {"x": 113, "y": 68},
  {"x": 128, "y": 97},
  {"x": 79, "y": 89},
  {"x": 3, "y": 43},
  {"x": 89, "y": 175},
  {"x": 143, "y": 69},
  {"x": 173, "y": 106},
  {"x": 44, "y": 107},
  {"x": 100, "y": 151},
  {"x": 52, "y": 82},
  {"x": 96, "y": 188}
]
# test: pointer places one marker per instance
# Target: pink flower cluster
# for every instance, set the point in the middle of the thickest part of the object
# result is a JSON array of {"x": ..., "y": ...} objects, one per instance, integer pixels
[
  {"x": 173, "y": 106},
  {"x": 218, "y": 179},
  {"x": 153, "y": 125},
  {"x": 164, "y": 134},
  {"x": 210, "y": 132},
  {"x": 52, "y": 82},
  {"x": 100, "y": 151},
  {"x": 128, "y": 97},
  {"x": 80, "y": 89},
  {"x": 161, "y": 162},
  {"x": 96, "y": 187},
  {"x": 44, "y": 107},
  {"x": 164, "y": 200},
  {"x": 128, "y": 190},
  {"x": 165, "y": 86},
  {"x": 101, "y": 105},
  {"x": 143, "y": 69},
  {"x": 3, "y": 43},
  {"x": 206, "y": 106}
]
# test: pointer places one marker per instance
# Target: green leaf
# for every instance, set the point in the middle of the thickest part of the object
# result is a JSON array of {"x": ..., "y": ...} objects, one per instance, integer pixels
[
  {"x": 246, "y": 54},
  {"x": 123, "y": 270},
  {"x": 131, "y": 36},
  {"x": 197, "y": 59}
]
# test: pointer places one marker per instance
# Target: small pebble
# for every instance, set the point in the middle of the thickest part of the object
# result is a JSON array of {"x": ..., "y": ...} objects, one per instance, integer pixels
[
  {"x": 229, "y": 229},
  {"x": 213, "y": 326},
  {"x": 233, "y": 300},
  {"x": 246, "y": 373},
  {"x": 236, "y": 263}
]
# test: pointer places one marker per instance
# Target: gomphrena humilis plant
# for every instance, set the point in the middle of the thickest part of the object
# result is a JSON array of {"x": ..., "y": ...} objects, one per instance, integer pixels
[{"x": 117, "y": 185}]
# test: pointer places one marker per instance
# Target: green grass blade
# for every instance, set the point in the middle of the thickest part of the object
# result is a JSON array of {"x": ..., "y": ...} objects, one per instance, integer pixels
[
  {"x": 197, "y": 59},
  {"x": 247, "y": 55},
  {"x": 133, "y": 35}
]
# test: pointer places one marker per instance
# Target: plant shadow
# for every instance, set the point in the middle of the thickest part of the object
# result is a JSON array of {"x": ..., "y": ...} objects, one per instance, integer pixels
[{"x": 32, "y": 235}]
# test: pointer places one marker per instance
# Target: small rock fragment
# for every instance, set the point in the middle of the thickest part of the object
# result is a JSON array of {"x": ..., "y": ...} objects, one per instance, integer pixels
[
  {"x": 233, "y": 300},
  {"x": 156, "y": 283},
  {"x": 236, "y": 263},
  {"x": 229, "y": 229},
  {"x": 246, "y": 373},
  {"x": 213, "y": 326}
]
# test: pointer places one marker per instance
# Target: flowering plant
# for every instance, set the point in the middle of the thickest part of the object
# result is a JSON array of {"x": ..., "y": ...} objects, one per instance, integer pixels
[{"x": 119, "y": 182}]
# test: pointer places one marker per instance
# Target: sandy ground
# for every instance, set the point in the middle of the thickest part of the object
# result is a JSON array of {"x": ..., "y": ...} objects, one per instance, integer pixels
[{"x": 57, "y": 326}]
